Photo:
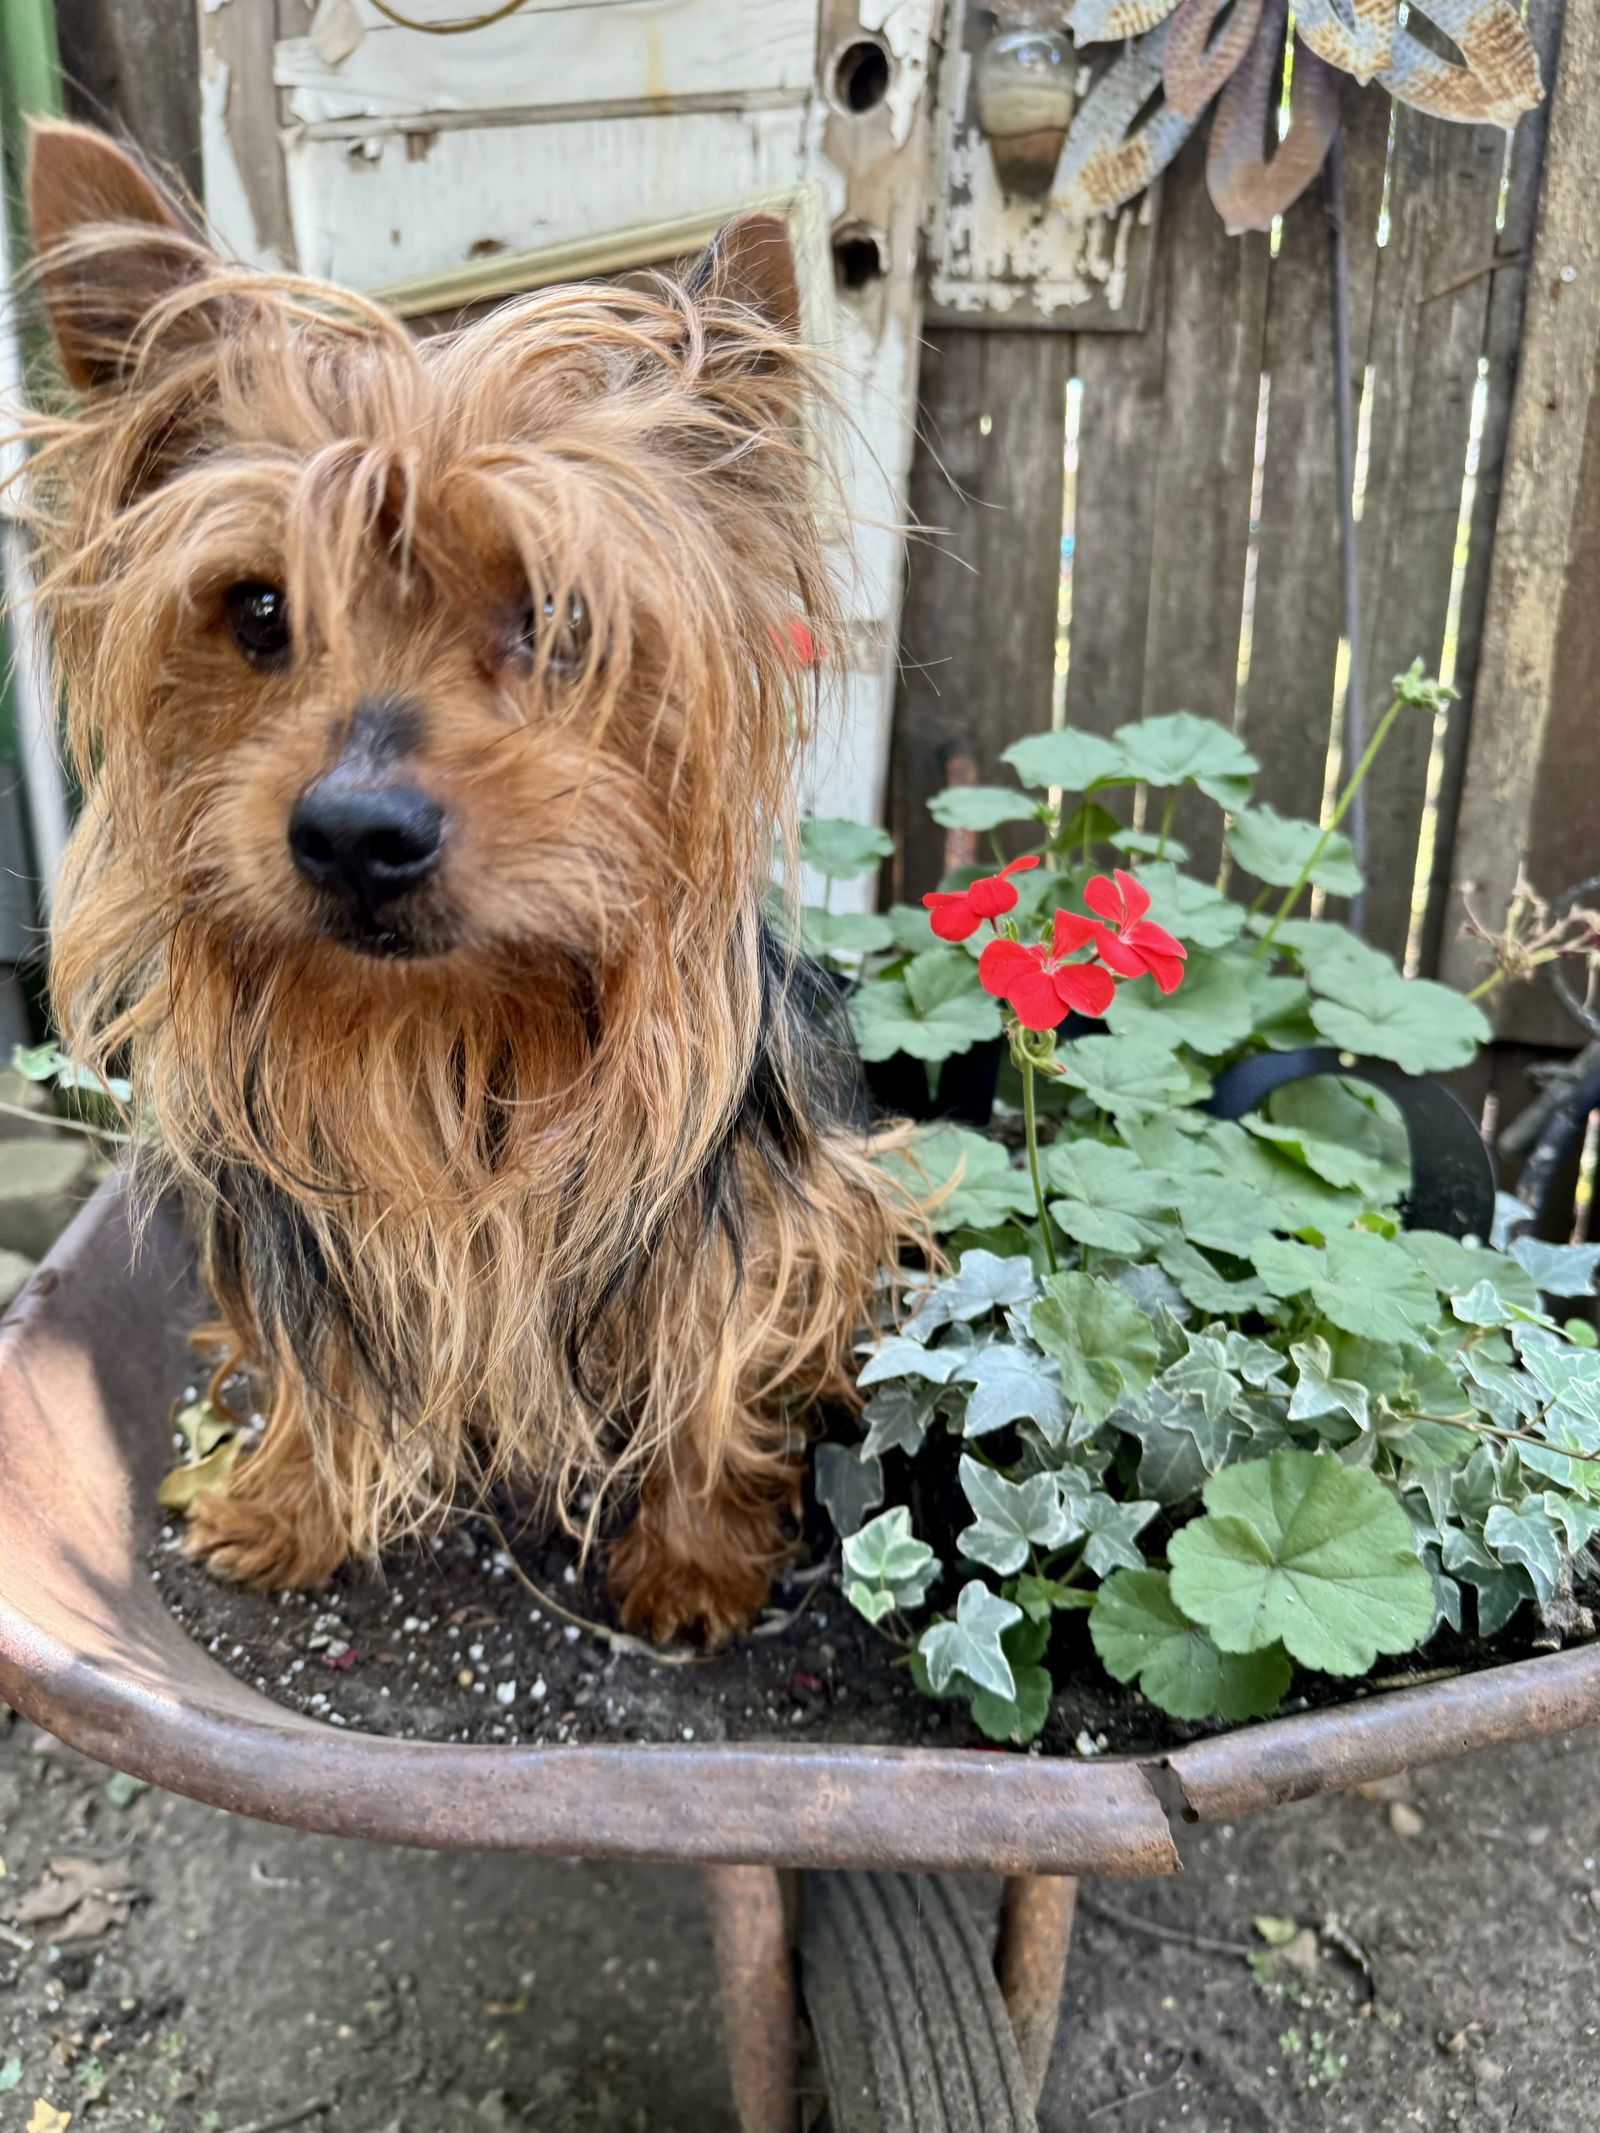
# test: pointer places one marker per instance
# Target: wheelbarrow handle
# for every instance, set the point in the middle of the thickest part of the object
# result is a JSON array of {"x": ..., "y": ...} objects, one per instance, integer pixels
[{"x": 1452, "y": 1172}]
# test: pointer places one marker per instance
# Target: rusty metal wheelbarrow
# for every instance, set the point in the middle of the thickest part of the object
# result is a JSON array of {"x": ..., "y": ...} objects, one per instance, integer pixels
[{"x": 918, "y": 2025}]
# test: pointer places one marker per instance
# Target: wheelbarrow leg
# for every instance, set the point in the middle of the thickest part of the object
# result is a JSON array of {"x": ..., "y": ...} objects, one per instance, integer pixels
[
  {"x": 1030, "y": 1961},
  {"x": 759, "y": 2009}
]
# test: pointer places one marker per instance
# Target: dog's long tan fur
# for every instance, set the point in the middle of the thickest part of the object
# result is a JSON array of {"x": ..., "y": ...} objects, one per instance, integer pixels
[{"x": 555, "y": 1200}]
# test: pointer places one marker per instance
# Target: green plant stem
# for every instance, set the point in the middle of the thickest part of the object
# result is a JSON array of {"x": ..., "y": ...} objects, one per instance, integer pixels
[
  {"x": 1358, "y": 778},
  {"x": 1030, "y": 1122},
  {"x": 1167, "y": 814}
]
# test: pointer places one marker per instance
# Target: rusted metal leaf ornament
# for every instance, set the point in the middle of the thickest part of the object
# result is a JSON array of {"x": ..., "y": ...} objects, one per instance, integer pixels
[
  {"x": 1115, "y": 146},
  {"x": 1103, "y": 21},
  {"x": 1355, "y": 35},
  {"x": 1194, "y": 70},
  {"x": 1500, "y": 79},
  {"x": 1248, "y": 187}
]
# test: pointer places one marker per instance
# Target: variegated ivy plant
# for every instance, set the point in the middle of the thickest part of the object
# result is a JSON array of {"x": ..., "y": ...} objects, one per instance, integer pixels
[{"x": 1207, "y": 1388}]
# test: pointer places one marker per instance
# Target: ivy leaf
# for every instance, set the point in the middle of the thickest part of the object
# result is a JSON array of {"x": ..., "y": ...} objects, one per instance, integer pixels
[
  {"x": 970, "y": 1644},
  {"x": 1204, "y": 1287},
  {"x": 1579, "y": 1521},
  {"x": 981, "y": 807},
  {"x": 1110, "y": 1196},
  {"x": 1501, "y": 1588},
  {"x": 1363, "y": 1283},
  {"x": 1204, "y": 1375},
  {"x": 899, "y": 1356},
  {"x": 1558, "y": 1269},
  {"x": 1076, "y": 762},
  {"x": 986, "y": 1189},
  {"x": 1104, "y": 1343},
  {"x": 1275, "y": 847},
  {"x": 1129, "y": 1076},
  {"x": 1040, "y": 1598},
  {"x": 933, "y": 1010},
  {"x": 1171, "y": 1470},
  {"x": 1254, "y": 1361},
  {"x": 1211, "y": 1011},
  {"x": 897, "y": 1417},
  {"x": 1561, "y": 1430},
  {"x": 842, "y": 849},
  {"x": 1012, "y": 1517},
  {"x": 825, "y": 933},
  {"x": 849, "y": 1485},
  {"x": 1184, "y": 750},
  {"x": 1570, "y": 1375},
  {"x": 1011, "y": 1383},
  {"x": 1139, "y": 1630},
  {"x": 984, "y": 1282},
  {"x": 1111, "y": 1529},
  {"x": 1528, "y": 1535},
  {"x": 1424, "y": 1028},
  {"x": 1303, "y": 1550},
  {"x": 886, "y": 1566},
  {"x": 1201, "y": 916},
  {"x": 1318, "y": 1392},
  {"x": 1016, "y": 1719}
]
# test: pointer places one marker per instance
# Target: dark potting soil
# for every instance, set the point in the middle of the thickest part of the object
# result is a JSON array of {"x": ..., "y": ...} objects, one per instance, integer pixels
[{"x": 465, "y": 1639}]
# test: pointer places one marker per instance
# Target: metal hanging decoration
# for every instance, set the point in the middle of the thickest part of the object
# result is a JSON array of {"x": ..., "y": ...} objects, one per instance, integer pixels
[{"x": 1179, "y": 56}]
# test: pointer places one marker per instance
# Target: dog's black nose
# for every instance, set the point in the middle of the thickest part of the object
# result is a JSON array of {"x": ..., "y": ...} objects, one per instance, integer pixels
[{"x": 372, "y": 842}]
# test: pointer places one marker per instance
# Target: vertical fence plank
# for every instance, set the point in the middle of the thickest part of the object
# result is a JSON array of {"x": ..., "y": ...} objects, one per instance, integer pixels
[
  {"x": 1428, "y": 330},
  {"x": 978, "y": 639},
  {"x": 1215, "y": 290},
  {"x": 1297, "y": 618},
  {"x": 1507, "y": 301}
]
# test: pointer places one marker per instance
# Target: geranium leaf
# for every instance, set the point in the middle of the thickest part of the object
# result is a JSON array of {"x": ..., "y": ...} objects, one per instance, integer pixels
[
  {"x": 1456, "y": 1268},
  {"x": 1333, "y": 1161},
  {"x": 849, "y": 1485},
  {"x": 1302, "y": 1550},
  {"x": 1103, "y": 1342},
  {"x": 1040, "y": 1598},
  {"x": 1558, "y": 1269},
  {"x": 1201, "y": 916},
  {"x": 1333, "y": 958},
  {"x": 1012, "y": 1517},
  {"x": 1110, "y": 1196},
  {"x": 1275, "y": 847},
  {"x": 980, "y": 807},
  {"x": 1076, "y": 762},
  {"x": 1211, "y": 1011},
  {"x": 1129, "y": 1076},
  {"x": 1181, "y": 749},
  {"x": 1011, "y": 1383},
  {"x": 825, "y": 933},
  {"x": 986, "y": 1188},
  {"x": 1205, "y": 1288},
  {"x": 1363, "y": 1283},
  {"x": 1017, "y": 1719},
  {"x": 1424, "y": 1028},
  {"x": 841, "y": 848},
  {"x": 933, "y": 1010},
  {"x": 1229, "y": 1215},
  {"x": 1139, "y": 1631},
  {"x": 970, "y": 1645}
]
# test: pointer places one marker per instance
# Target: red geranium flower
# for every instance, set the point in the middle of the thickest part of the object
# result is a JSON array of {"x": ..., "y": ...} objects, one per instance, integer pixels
[
  {"x": 956, "y": 914},
  {"x": 1135, "y": 944},
  {"x": 1038, "y": 984}
]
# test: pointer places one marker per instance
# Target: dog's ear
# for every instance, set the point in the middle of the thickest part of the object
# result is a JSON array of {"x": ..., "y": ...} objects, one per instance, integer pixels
[
  {"x": 112, "y": 244},
  {"x": 751, "y": 263}
]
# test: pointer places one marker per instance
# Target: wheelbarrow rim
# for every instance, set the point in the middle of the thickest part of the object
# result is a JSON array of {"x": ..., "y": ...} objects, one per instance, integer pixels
[{"x": 90, "y": 1652}]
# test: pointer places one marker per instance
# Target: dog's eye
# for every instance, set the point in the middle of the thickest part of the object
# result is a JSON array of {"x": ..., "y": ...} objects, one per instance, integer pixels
[
  {"x": 258, "y": 616},
  {"x": 560, "y": 638}
]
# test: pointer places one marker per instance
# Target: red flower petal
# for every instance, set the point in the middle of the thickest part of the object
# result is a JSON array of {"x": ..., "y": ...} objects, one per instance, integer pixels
[
  {"x": 1072, "y": 932},
  {"x": 1100, "y": 896},
  {"x": 1086, "y": 987},
  {"x": 1037, "y": 999},
  {"x": 951, "y": 915},
  {"x": 1167, "y": 970},
  {"x": 1145, "y": 934},
  {"x": 990, "y": 895},
  {"x": 1135, "y": 896},
  {"x": 1119, "y": 956},
  {"x": 1020, "y": 866},
  {"x": 1002, "y": 961}
]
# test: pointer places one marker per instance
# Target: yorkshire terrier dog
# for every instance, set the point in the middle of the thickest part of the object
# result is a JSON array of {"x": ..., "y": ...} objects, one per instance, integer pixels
[{"x": 435, "y": 705}]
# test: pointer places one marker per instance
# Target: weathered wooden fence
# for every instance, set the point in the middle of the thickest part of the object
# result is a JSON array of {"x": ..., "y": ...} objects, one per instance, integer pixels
[{"x": 1201, "y": 504}]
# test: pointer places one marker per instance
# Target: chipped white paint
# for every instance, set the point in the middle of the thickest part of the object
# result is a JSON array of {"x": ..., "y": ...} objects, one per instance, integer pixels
[
  {"x": 906, "y": 27},
  {"x": 649, "y": 52},
  {"x": 994, "y": 256},
  {"x": 418, "y": 164},
  {"x": 227, "y": 202}
]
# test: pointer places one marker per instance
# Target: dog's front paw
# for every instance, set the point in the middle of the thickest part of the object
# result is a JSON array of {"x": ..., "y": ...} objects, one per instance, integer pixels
[
  {"x": 666, "y": 1597},
  {"x": 250, "y": 1542}
]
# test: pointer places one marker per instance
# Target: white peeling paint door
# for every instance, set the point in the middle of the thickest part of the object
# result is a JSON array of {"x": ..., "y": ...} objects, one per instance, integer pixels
[{"x": 346, "y": 144}]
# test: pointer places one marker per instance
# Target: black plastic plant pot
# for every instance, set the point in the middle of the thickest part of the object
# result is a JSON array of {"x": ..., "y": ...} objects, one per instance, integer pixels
[{"x": 963, "y": 1092}]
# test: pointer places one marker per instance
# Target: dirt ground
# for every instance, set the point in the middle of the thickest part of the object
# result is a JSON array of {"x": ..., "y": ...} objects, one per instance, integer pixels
[{"x": 263, "y": 1979}]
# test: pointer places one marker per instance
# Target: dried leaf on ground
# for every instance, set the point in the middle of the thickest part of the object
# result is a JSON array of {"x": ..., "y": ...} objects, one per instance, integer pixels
[{"x": 78, "y": 1899}]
